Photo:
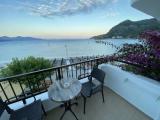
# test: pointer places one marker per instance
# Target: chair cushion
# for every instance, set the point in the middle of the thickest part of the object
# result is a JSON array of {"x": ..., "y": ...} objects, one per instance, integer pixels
[
  {"x": 95, "y": 86},
  {"x": 86, "y": 89},
  {"x": 32, "y": 111}
]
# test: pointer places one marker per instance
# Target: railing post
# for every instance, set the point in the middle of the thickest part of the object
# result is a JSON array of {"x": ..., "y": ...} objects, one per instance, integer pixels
[
  {"x": 97, "y": 62},
  {"x": 59, "y": 74},
  {"x": 24, "y": 101}
]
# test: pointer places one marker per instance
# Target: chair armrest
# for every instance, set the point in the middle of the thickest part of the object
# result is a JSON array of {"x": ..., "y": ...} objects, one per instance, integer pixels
[{"x": 83, "y": 76}]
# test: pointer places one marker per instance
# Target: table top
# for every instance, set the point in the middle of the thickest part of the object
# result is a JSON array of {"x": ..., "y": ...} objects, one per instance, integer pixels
[{"x": 59, "y": 93}]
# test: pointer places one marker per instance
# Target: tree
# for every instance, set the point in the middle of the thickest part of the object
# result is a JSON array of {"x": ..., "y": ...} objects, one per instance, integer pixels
[{"x": 29, "y": 64}]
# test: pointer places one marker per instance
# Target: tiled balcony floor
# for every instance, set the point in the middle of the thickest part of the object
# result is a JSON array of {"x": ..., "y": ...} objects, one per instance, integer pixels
[{"x": 114, "y": 108}]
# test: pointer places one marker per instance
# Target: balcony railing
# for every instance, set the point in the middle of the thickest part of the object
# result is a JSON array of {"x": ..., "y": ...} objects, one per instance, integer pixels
[{"x": 13, "y": 89}]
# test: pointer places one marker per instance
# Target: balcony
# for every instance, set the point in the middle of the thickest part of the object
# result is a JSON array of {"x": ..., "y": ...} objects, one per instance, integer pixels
[
  {"x": 114, "y": 108},
  {"x": 127, "y": 96}
]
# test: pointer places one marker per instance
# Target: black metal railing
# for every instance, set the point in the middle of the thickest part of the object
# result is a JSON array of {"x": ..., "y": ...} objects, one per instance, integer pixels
[{"x": 23, "y": 86}]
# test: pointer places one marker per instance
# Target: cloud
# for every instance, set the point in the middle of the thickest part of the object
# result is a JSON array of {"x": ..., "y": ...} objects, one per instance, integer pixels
[{"x": 50, "y": 8}]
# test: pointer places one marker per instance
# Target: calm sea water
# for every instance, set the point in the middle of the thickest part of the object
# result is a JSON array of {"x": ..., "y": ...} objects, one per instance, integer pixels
[{"x": 57, "y": 48}]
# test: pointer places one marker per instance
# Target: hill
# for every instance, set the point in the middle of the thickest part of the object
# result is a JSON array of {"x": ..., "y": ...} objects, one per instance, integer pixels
[
  {"x": 130, "y": 29},
  {"x": 5, "y": 38}
]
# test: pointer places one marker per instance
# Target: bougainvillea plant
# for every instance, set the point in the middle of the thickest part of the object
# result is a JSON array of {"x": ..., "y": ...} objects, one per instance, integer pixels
[{"x": 146, "y": 55}]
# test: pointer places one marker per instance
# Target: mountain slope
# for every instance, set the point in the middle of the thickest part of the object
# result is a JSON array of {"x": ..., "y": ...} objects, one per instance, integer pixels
[
  {"x": 5, "y": 38},
  {"x": 130, "y": 29}
]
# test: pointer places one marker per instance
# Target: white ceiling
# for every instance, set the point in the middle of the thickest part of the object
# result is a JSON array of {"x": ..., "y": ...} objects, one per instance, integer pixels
[{"x": 150, "y": 7}]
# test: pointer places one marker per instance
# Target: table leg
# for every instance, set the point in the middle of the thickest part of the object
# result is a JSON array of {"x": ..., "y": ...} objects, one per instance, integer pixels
[
  {"x": 73, "y": 114},
  {"x": 67, "y": 106}
]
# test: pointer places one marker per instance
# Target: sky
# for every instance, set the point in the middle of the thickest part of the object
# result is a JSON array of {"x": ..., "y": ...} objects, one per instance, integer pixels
[{"x": 64, "y": 18}]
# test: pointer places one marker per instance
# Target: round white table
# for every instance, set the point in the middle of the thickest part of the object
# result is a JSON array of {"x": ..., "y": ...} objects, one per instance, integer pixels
[{"x": 64, "y": 91}]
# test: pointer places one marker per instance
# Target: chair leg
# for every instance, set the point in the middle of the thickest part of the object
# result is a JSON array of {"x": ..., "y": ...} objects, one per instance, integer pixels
[
  {"x": 44, "y": 110},
  {"x": 84, "y": 105},
  {"x": 103, "y": 95}
]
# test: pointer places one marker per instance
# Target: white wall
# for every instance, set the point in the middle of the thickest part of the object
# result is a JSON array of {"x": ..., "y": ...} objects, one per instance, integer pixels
[{"x": 142, "y": 92}]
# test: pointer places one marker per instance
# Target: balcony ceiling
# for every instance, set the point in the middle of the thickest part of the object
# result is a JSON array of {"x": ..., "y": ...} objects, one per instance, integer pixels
[{"x": 150, "y": 7}]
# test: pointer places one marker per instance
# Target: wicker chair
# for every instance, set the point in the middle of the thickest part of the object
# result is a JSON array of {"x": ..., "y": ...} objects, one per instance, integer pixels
[
  {"x": 94, "y": 85},
  {"x": 33, "y": 111}
]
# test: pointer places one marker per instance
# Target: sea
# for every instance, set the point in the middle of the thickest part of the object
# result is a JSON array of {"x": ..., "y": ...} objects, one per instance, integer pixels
[{"x": 59, "y": 48}]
